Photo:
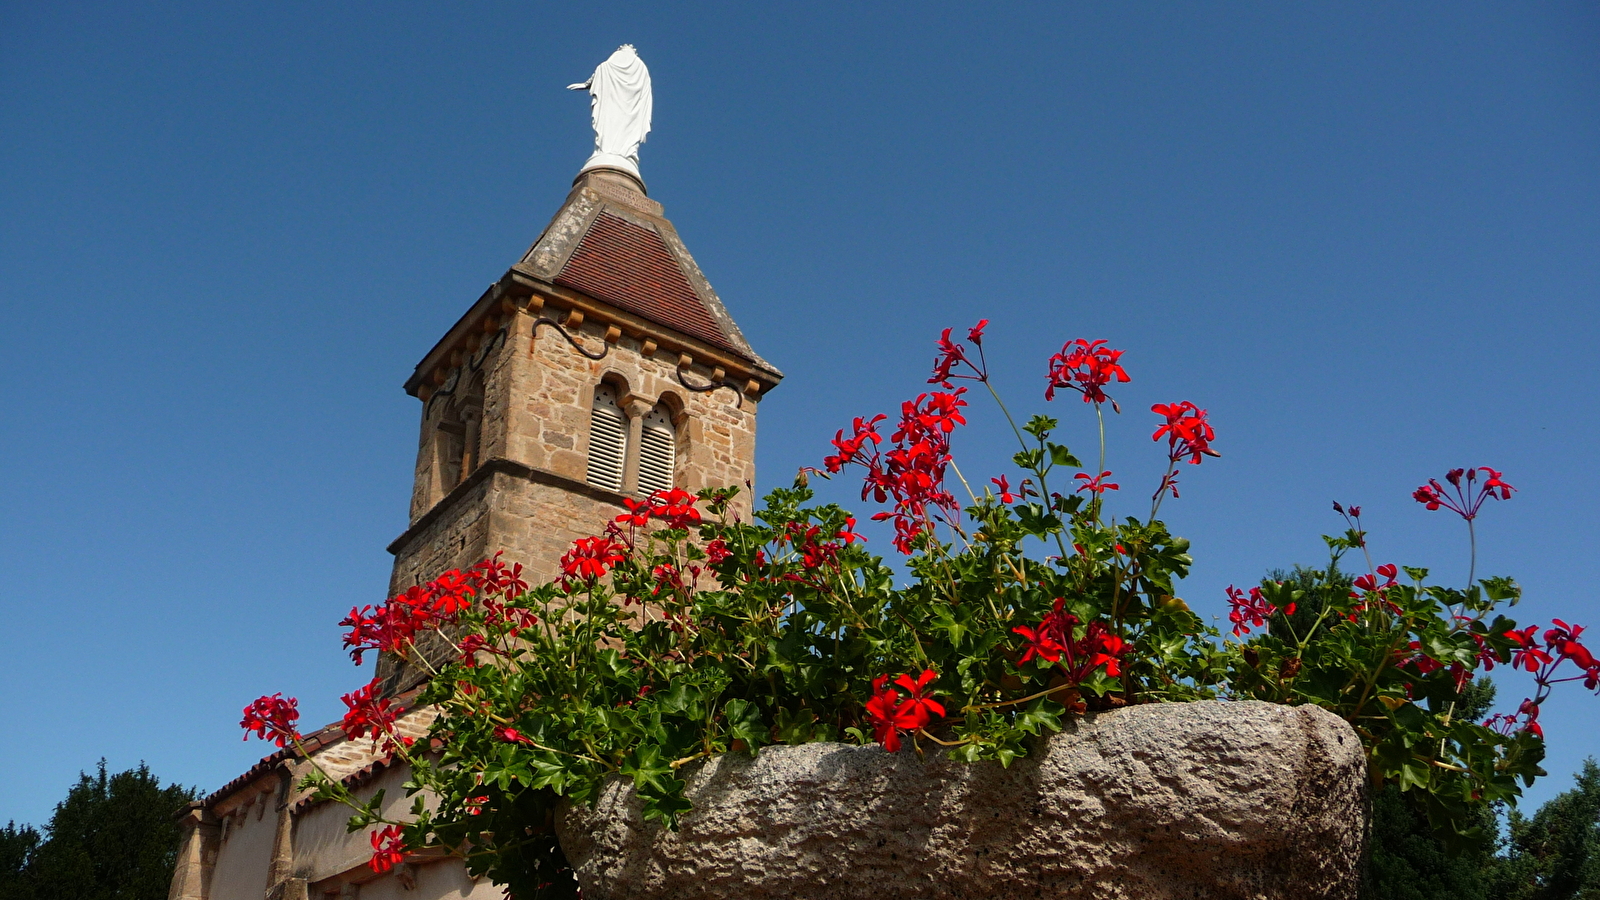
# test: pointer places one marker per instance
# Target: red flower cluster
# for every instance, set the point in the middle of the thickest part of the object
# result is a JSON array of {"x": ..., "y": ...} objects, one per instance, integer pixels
[
  {"x": 952, "y": 354},
  {"x": 1096, "y": 484},
  {"x": 392, "y": 627},
  {"x": 591, "y": 558},
  {"x": 1370, "y": 591},
  {"x": 1507, "y": 724},
  {"x": 368, "y": 714},
  {"x": 675, "y": 508},
  {"x": 1085, "y": 367},
  {"x": 388, "y": 849},
  {"x": 814, "y": 551},
  {"x": 1467, "y": 498},
  {"x": 912, "y": 471},
  {"x": 1252, "y": 610},
  {"x": 272, "y": 719},
  {"x": 890, "y": 715},
  {"x": 1186, "y": 430},
  {"x": 1561, "y": 645},
  {"x": 491, "y": 577},
  {"x": 1053, "y": 642}
]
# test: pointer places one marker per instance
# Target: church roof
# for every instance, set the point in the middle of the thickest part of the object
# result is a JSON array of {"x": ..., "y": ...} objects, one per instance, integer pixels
[
  {"x": 611, "y": 242},
  {"x": 630, "y": 267}
]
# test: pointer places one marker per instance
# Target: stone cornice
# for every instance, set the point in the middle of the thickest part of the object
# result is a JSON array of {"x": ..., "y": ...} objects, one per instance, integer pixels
[
  {"x": 517, "y": 292},
  {"x": 496, "y": 466}
]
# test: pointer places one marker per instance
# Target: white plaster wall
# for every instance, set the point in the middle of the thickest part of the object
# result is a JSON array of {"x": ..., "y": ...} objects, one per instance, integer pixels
[
  {"x": 245, "y": 857},
  {"x": 443, "y": 880},
  {"x": 323, "y": 847}
]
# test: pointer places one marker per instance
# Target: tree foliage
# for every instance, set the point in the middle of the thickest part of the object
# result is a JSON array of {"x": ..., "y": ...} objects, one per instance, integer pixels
[
  {"x": 114, "y": 837},
  {"x": 1555, "y": 853}
]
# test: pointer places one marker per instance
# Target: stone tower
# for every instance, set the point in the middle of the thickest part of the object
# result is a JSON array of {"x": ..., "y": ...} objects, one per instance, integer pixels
[{"x": 601, "y": 366}]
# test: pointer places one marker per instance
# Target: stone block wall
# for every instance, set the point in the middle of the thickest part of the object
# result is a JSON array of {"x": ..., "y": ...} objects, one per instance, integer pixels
[{"x": 523, "y": 399}]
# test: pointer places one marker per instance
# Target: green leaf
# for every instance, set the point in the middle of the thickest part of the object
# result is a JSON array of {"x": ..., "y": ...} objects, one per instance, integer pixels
[
  {"x": 956, "y": 631},
  {"x": 1039, "y": 716},
  {"x": 547, "y": 774},
  {"x": 647, "y": 768},
  {"x": 665, "y": 804},
  {"x": 1040, "y": 426},
  {"x": 795, "y": 726},
  {"x": 1061, "y": 456},
  {"x": 1029, "y": 459},
  {"x": 745, "y": 724}
]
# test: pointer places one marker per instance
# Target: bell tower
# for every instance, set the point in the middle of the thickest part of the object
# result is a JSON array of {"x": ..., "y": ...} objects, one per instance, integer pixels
[{"x": 601, "y": 366}]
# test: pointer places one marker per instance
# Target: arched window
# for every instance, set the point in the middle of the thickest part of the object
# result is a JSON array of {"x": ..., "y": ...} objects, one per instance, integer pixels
[
  {"x": 608, "y": 440},
  {"x": 658, "y": 451}
]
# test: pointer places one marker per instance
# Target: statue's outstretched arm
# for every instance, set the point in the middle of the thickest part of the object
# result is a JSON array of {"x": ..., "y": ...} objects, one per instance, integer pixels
[{"x": 580, "y": 87}]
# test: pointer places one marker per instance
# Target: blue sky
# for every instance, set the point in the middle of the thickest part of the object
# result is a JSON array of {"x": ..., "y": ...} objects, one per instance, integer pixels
[{"x": 1365, "y": 238}]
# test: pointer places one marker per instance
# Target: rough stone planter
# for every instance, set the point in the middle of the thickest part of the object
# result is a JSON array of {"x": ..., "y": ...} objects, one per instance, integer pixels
[{"x": 1191, "y": 800}]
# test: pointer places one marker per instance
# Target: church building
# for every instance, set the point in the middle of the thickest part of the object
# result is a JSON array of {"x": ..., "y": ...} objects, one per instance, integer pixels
[{"x": 601, "y": 366}]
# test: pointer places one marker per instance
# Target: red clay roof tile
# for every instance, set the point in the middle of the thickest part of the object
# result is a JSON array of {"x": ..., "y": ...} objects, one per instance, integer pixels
[{"x": 630, "y": 267}]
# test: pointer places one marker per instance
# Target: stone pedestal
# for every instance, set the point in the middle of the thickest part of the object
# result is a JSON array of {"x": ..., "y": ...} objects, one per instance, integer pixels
[{"x": 1214, "y": 800}]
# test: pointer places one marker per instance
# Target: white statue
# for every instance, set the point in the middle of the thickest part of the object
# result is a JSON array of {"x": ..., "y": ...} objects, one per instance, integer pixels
[{"x": 619, "y": 105}]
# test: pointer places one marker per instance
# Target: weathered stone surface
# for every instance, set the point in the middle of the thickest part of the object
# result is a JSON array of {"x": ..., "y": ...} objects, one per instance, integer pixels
[{"x": 1191, "y": 800}]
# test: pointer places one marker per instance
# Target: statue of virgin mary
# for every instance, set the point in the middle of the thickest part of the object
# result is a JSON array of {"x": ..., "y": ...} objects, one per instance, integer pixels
[{"x": 619, "y": 105}]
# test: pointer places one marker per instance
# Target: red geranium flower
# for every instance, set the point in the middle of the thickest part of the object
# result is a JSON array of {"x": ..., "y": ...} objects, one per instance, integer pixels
[
  {"x": 388, "y": 849},
  {"x": 919, "y": 703},
  {"x": 367, "y": 713},
  {"x": 1186, "y": 430},
  {"x": 952, "y": 354},
  {"x": 1463, "y": 499},
  {"x": 1038, "y": 644},
  {"x": 272, "y": 718},
  {"x": 1096, "y": 485},
  {"x": 591, "y": 558},
  {"x": 1250, "y": 611},
  {"x": 888, "y": 715},
  {"x": 1086, "y": 367},
  {"x": 1006, "y": 494}
]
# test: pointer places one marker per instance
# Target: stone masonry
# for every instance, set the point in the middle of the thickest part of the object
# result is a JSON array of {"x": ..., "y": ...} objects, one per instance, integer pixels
[{"x": 507, "y": 394}]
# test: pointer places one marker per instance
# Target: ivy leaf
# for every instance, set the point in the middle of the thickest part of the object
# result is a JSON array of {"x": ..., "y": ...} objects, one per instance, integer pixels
[
  {"x": 648, "y": 769},
  {"x": 1029, "y": 459},
  {"x": 956, "y": 630},
  {"x": 1061, "y": 456},
  {"x": 548, "y": 774},
  {"x": 1036, "y": 521},
  {"x": 794, "y": 727},
  {"x": 1038, "y": 716},
  {"x": 665, "y": 804},
  {"x": 1040, "y": 426},
  {"x": 745, "y": 724}
]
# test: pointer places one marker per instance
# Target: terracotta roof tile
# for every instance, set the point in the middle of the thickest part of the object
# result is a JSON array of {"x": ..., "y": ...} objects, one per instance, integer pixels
[{"x": 630, "y": 267}]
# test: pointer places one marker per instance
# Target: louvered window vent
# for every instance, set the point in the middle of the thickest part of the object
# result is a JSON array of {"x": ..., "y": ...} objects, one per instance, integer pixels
[
  {"x": 658, "y": 452},
  {"x": 608, "y": 440}
]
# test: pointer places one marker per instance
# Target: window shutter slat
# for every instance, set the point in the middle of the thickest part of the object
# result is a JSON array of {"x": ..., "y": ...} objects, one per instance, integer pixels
[
  {"x": 608, "y": 441},
  {"x": 657, "y": 452}
]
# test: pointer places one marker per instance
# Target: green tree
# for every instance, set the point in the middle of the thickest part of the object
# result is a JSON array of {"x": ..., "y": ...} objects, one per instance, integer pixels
[
  {"x": 113, "y": 838},
  {"x": 1555, "y": 853},
  {"x": 1406, "y": 858},
  {"x": 17, "y": 846}
]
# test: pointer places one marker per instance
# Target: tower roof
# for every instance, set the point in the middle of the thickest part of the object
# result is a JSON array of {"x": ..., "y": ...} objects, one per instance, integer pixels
[
  {"x": 609, "y": 246},
  {"x": 629, "y": 266},
  {"x": 612, "y": 242}
]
